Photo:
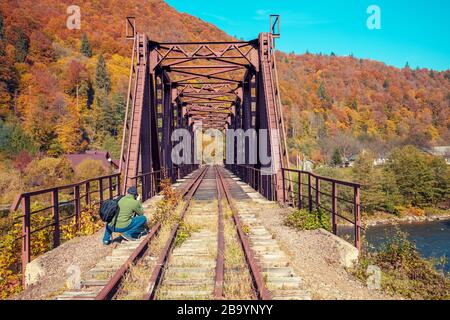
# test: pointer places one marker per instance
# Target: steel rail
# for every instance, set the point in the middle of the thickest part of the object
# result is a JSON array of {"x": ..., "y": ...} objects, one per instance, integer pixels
[
  {"x": 220, "y": 261},
  {"x": 110, "y": 289},
  {"x": 158, "y": 272},
  {"x": 258, "y": 283}
]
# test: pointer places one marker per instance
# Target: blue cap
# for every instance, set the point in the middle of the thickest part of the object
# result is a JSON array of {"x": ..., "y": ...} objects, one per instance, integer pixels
[{"x": 133, "y": 191}]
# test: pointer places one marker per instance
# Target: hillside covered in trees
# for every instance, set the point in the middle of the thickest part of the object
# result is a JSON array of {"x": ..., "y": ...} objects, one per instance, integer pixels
[
  {"x": 63, "y": 91},
  {"x": 347, "y": 103}
]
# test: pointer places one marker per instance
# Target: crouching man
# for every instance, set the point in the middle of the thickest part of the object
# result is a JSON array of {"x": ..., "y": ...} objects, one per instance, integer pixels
[{"x": 130, "y": 221}]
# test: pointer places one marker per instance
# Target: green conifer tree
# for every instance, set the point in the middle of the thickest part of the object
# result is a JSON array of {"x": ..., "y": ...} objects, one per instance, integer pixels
[
  {"x": 21, "y": 45},
  {"x": 321, "y": 92},
  {"x": 102, "y": 80},
  {"x": 336, "y": 159},
  {"x": 85, "y": 48},
  {"x": 2, "y": 31}
]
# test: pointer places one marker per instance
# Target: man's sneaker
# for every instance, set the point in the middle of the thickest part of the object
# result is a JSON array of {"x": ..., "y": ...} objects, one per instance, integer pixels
[
  {"x": 128, "y": 237},
  {"x": 143, "y": 234},
  {"x": 107, "y": 243}
]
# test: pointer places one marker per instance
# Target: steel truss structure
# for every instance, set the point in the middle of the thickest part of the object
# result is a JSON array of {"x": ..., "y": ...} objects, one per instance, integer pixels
[{"x": 223, "y": 84}]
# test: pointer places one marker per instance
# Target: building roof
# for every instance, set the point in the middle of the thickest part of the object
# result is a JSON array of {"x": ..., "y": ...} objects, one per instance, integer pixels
[
  {"x": 103, "y": 156},
  {"x": 440, "y": 150}
]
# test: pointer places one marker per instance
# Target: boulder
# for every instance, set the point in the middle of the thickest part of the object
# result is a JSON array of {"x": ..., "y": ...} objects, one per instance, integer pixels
[
  {"x": 34, "y": 272},
  {"x": 347, "y": 253}
]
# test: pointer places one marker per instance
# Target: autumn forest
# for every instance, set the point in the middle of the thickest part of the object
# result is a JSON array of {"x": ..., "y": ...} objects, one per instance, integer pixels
[{"x": 63, "y": 91}]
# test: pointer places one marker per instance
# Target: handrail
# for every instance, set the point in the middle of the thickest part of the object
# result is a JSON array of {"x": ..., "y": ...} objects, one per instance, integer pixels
[
  {"x": 16, "y": 203},
  {"x": 347, "y": 183},
  {"x": 313, "y": 196},
  {"x": 89, "y": 188}
]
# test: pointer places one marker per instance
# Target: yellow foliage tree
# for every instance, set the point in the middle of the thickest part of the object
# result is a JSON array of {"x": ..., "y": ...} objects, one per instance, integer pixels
[
  {"x": 71, "y": 135},
  {"x": 89, "y": 169},
  {"x": 48, "y": 172}
]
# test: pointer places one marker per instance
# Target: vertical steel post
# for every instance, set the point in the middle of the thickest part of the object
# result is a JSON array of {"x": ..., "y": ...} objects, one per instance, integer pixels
[
  {"x": 152, "y": 186},
  {"x": 26, "y": 242},
  {"x": 334, "y": 206},
  {"x": 77, "y": 205},
  {"x": 317, "y": 193},
  {"x": 284, "y": 185},
  {"x": 254, "y": 179},
  {"x": 310, "y": 205},
  {"x": 110, "y": 188},
  {"x": 55, "y": 209},
  {"x": 100, "y": 187},
  {"x": 300, "y": 191},
  {"x": 144, "y": 191},
  {"x": 357, "y": 209},
  {"x": 88, "y": 193}
]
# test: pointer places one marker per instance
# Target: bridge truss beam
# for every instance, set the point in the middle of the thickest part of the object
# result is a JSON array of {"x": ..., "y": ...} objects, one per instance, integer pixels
[{"x": 222, "y": 84}]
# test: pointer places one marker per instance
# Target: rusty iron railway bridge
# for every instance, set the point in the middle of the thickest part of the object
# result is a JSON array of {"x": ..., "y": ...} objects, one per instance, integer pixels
[{"x": 178, "y": 85}]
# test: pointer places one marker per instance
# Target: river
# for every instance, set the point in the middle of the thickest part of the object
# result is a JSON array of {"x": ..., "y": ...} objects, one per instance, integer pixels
[{"x": 432, "y": 239}]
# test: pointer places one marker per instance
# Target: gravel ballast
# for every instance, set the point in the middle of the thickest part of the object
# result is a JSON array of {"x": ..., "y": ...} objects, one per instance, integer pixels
[
  {"x": 316, "y": 260},
  {"x": 83, "y": 252}
]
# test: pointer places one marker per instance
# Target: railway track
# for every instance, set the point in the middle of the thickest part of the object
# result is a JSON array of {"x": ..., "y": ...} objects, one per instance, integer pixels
[
  {"x": 195, "y": 269},
  {"x": 214, "y": 250},
  {"x": 104, "y": 280}
]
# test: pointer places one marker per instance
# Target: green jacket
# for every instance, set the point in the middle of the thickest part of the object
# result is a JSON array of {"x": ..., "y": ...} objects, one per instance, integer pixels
[{"x": 128, "y": 208}]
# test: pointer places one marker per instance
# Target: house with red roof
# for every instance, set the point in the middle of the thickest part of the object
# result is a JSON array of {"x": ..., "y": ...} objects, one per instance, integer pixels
[{"x": 103, "y": 156}]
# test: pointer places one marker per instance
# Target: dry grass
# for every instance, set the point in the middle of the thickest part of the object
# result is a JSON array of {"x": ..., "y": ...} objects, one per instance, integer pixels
[
  {"x": 200, "y": 219},
  {"x": 237, "y": 280},
  {"x": 137, "y": 279}
]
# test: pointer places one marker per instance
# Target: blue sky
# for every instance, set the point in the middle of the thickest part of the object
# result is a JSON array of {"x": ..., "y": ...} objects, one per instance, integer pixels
[{"x": 414, "y": 31}]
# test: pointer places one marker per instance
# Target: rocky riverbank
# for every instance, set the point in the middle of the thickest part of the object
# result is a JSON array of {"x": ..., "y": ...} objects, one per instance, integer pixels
[{"x": 383, "y": 218}]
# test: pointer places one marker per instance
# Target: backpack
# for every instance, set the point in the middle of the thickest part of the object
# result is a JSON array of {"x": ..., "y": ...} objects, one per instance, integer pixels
[{"x": 109, "y": 210}]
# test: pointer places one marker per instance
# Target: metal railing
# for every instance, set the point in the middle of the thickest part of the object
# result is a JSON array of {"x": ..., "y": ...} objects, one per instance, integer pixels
[
  {"x": 263, "y": 183},
  {"x": 76, "y": 197},
  {"x": 148, "y": 184},
  {"x": 305, "y": 190},
  {"x": 340, "y": 199}
]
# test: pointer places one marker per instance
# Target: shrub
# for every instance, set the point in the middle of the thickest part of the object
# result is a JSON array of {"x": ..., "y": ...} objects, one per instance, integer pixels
[
  {"x": 22, "y": 160},
  {"x": 413, "y": 211},
  {"x": 88, "y": 169},
  {"x": 184, "y": 232},
  {"x": 164, "y": 208},
  {"x": 10, "y": 185},
  {"x": 90, "y": 223},
  {"x": 48, "y": 172},
  {"x": 304, "y": 220},
  {"x": 10, "y": 250},
  {"x": 404, "y": 271},
  {"x": 433, "y": 211},
  {"x": 421, "y": 178},
  {"x": 13, "y": 140}
]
